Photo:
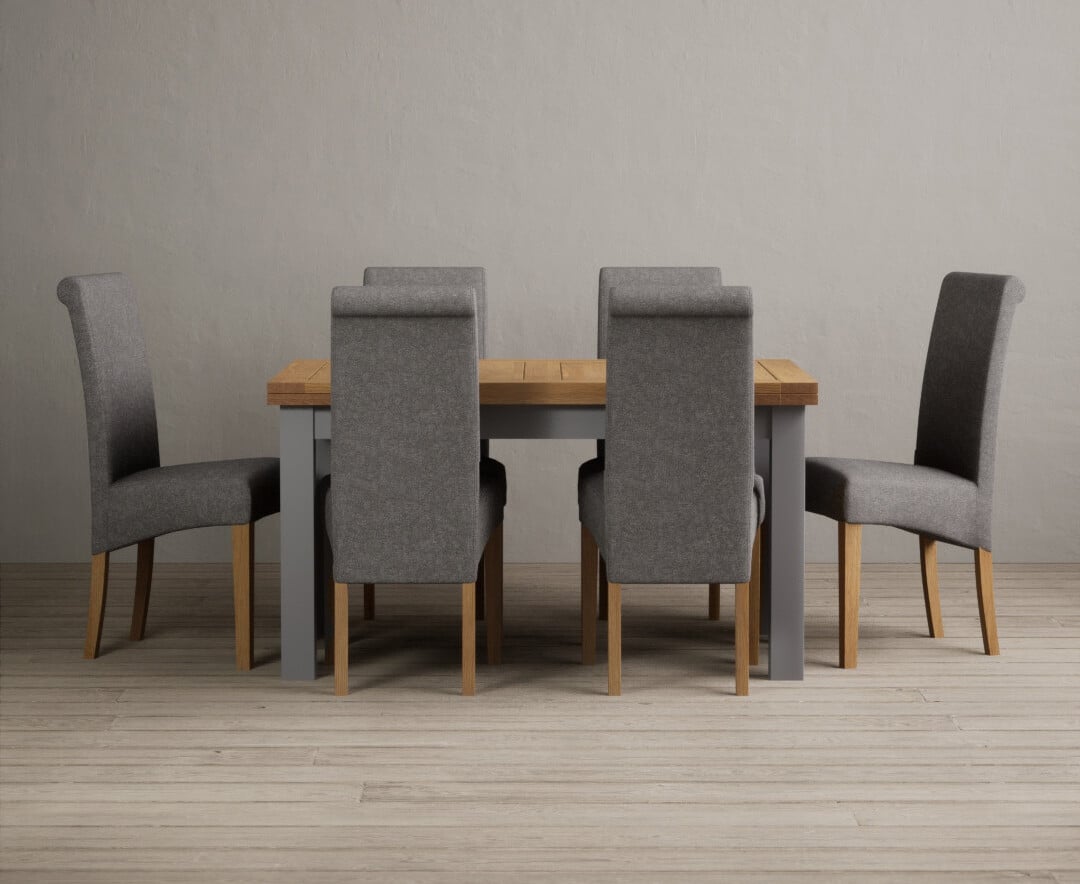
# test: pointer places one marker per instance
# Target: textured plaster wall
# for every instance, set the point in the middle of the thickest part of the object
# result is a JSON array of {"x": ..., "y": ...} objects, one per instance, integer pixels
[{"x": 237, "y": 159}]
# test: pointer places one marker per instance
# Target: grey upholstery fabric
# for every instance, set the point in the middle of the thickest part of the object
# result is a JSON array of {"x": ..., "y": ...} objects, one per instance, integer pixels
[
  {"x": 670, "y": 279},
  {"x": 132, "y": 498},
  {"x": 948, "y": 493},
  {"x": 411, "y": 500},
  {"x": 674, "y": 499},
  {"x": 471, "y": 277},
  {"x": 193, "y": 495},
  {"x": 873, "y": 492}
]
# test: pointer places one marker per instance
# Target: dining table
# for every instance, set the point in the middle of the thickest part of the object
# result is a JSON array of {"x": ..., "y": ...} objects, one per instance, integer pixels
[{"x": 543, "y": 399}]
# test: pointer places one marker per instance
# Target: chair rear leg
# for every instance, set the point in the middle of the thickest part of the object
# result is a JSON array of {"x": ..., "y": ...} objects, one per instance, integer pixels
[
  {"x": 99, "y": 585},
  {"x": 369, "y": 601},
  {"x": 931, "y": 596},
  {"x": 714, "y": 601},
  {"x": 589, "y": 566},
  {"x": 144, "y": 570},
  {"x": 341, "y": 639},
  {"x": 984, "y": 583},
  {"x": 614, "y": 641},
  {"x": 468, "y": 639},
  {"x": 243, "y": 549},
  {"x": 850, "y": 537}
]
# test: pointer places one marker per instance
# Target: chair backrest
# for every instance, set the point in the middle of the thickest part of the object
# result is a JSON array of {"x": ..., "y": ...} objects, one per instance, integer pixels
[
  {"x": 471, "y": 277},
  {"x": 962, "y": 379},
  {"x": 665, "y": 278},
  {"x": 679, "y": 476},
  {"x": 406, "y": 431},
  {"x": 121, "y": 421}
]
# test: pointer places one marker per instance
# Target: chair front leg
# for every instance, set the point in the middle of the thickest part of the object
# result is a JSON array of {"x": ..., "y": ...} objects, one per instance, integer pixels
[
  {"x": 931, "y": 596},
  {"x": 243, "y": 550},
  {"x": 492, "y": 569},
  {"x": 614, "y": 641},
  {"x": 589, "y": 562},
  {"x": 468, "y": 639},
  {"x": 984, "y": 583},
  {"x": 143, "y": 572},
  {"x": 850, "y": 537},
  {"x": 341, "y": 639},
  {"x": 99, "y": 585}
]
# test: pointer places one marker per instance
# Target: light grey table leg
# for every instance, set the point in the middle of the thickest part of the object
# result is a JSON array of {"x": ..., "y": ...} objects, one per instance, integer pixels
[
  {"x": 297, "y": 543},
  {"x": 782, "y": 589}
]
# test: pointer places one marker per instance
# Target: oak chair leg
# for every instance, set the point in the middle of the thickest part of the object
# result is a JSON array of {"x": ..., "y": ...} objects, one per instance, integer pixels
[
  {"x": 341, "y": 639},
  {"x": 99, "y": 585},
  {"x": 369, "y": 601},
  {"x": 590, "y": 557},
  {"x": 243, "y": 550},
  {"x": 481, "y": 588},
  {"x": 144, "y": 570},
  {"x": 601, "y": 612},
  {"x": 742, "y": 639},
  {"x": 614, "y": 641},
  {"x": 850, "y": 538},
  {"x": 468, "y": 639},
  {"x": 931, "y": 596},
  {"x": 493, "y": 594},
  {"x": 714, "y": 601},
  {"x": 755, "y": 601},
  {"x": 984, "y": 583}
]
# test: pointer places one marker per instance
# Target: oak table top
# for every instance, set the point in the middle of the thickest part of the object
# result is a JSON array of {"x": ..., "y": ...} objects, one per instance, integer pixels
[{"x": 306, "y": 382}]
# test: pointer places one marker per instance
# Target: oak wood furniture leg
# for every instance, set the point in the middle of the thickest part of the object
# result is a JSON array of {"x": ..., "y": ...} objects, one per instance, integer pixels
[
  {"x": 850, "y": 538},
  {"x": 714, "y": 601},
  {"x": 468, "y": 639},
  {"x": 493, "y": 594},
  {"x": 931, "y": 596},
  {"x": 99, "y": 584},
  {"x": 984, "y": 583},
  {"x": 589, "y": 566},
  {"x": 144, "y": 570},
  {"x": 601, "y": 612},
  {"x": 614, "y": 642},
  {"x": 742, "y": 639},
  {"x": 755, "y": 600},
  {"x": 341, "y": 639},
  {"x": 243, "y": 549},
  {"x": 369, "y": 601}
]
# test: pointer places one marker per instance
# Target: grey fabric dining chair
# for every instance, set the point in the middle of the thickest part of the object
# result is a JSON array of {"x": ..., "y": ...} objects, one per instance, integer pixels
[
  {"x": 471, "y": 277},
  {"x": 133, "y": 498},
  {"x": 675, "y": 499},
  {"x": 947, "y": 493},
  {"x": 669, "y": 279},
  {"x": 410, "y": 499}
]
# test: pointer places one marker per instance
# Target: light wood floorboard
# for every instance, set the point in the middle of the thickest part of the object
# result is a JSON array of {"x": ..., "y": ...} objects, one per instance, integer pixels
[{"x": 158, "y": 761}]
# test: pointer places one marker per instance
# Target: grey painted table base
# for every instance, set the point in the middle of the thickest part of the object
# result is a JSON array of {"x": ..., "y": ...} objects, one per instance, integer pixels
[{"x": 779, "y": 438}]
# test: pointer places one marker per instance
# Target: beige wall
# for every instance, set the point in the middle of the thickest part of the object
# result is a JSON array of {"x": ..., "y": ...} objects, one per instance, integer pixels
[{"x": 237, "y": 159}]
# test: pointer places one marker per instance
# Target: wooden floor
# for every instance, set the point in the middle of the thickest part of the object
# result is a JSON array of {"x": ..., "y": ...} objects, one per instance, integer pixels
[{"x": 159, "y": 763}]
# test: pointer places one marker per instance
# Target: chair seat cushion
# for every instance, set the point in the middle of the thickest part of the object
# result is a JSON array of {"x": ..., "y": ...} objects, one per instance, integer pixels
[
  {"x": 591, "y": 500},
  {"x": 924, "y": 500},
  {"x": 489, "y": 515},
  {"x": 161, "y": 500}
]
